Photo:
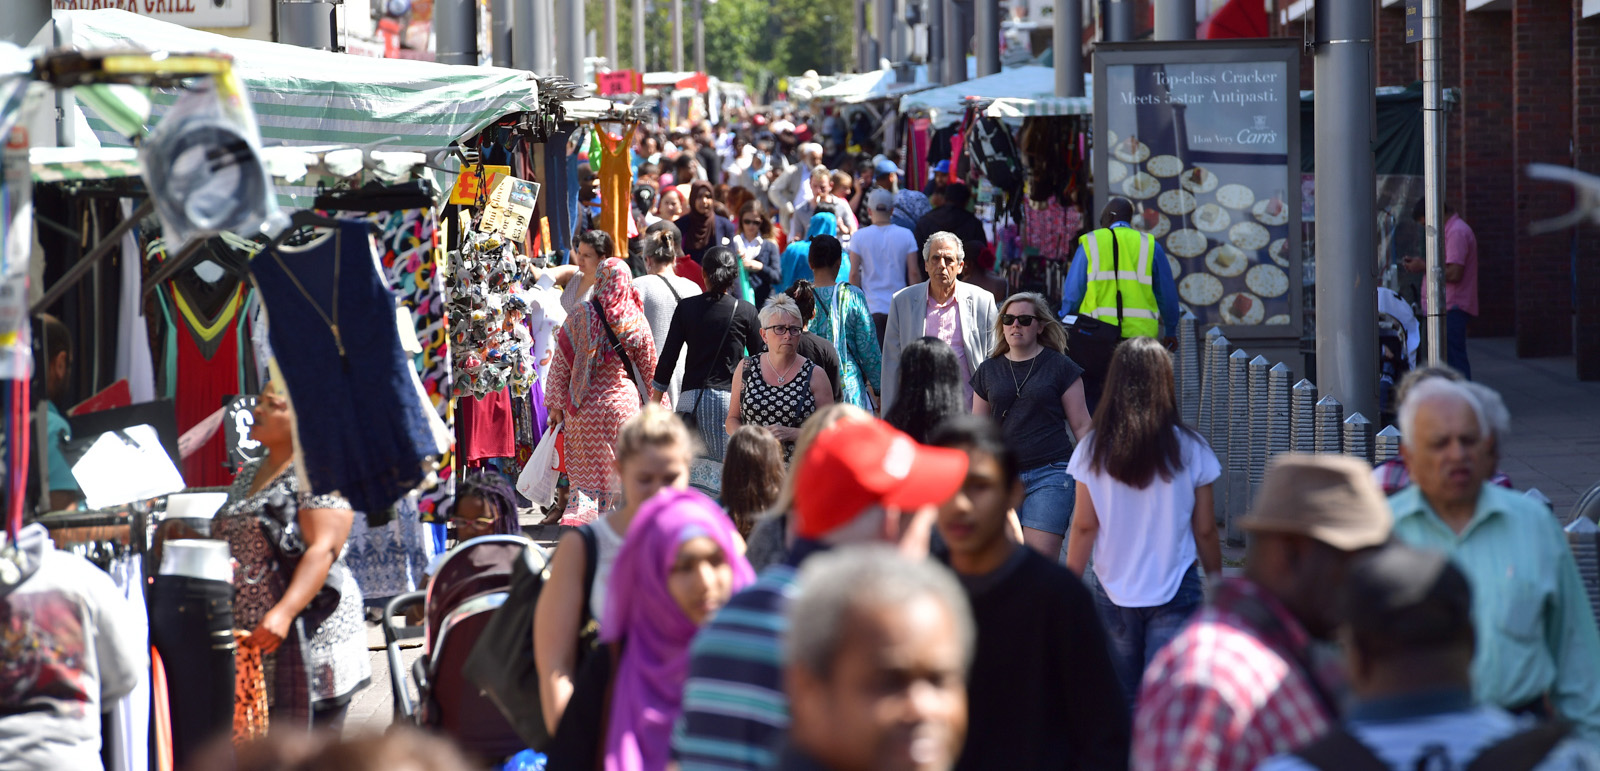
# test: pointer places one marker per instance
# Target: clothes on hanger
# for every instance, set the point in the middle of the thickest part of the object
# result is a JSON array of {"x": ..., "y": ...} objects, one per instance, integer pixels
[
  {"x": 360, "y": 429},
  {"x": 390, "y": 560},
  {"x": 129, "y": 742},
  {"x": 485, "y": 425},
  {"x": 560, "y": 192},
  {"x": 134, "y": 362},
  {"x": 616, "y": 183}
]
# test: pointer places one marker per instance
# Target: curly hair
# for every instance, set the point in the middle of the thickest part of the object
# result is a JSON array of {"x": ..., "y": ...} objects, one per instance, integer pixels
[{"x": 497, "y": 495}]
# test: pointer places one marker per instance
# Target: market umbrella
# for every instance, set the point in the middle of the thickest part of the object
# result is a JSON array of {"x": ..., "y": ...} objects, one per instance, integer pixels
[{"x": 1239, "y": 18}]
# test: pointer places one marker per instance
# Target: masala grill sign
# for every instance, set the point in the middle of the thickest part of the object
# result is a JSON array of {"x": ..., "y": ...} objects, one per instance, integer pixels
[{"x": 189, "y": 13}]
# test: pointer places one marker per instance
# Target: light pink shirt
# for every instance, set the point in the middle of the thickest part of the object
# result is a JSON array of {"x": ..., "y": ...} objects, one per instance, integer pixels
[
  {"x": 1460, "y": 248},
  {"x": 943, "y": 320}
]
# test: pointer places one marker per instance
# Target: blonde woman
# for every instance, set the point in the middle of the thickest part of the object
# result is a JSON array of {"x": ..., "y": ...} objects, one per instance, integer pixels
[{"x": 1035, "y": 392}]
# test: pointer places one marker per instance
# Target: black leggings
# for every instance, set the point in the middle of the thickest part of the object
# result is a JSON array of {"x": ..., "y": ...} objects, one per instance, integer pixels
[{"x": 191, "y": 626}]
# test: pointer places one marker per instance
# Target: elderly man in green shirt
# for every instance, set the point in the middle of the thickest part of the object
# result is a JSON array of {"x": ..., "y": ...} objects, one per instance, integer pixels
[{"x": 1538, "y": 651}]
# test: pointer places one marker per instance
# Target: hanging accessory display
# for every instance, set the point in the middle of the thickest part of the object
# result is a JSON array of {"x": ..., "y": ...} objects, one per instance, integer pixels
[{"x": 487, "y": 307}]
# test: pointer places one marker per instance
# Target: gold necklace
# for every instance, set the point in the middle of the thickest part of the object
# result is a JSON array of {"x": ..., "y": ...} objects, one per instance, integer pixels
[{"x": 333, "y": 321}]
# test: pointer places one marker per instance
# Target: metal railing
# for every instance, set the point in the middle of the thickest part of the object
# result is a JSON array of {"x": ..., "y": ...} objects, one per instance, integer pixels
[{"x": 1247, "y": 409}]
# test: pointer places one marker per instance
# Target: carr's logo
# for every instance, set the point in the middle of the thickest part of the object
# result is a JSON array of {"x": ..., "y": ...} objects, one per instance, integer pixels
[{"x": 1261, "y": 123}]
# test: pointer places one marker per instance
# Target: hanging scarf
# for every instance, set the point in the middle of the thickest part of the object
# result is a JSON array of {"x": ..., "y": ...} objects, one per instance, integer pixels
[
  {"x": 647, "y": 692},
  {"x": 697, "y": 229},
  {"x": 613, "y": 289}
]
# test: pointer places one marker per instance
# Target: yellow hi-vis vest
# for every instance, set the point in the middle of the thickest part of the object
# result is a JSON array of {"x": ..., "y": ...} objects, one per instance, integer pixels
[{"x": 1134, "y": 252}]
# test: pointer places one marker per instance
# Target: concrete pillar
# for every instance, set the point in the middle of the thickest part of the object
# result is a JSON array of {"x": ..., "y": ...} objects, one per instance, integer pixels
[
  {"x": 571, "y": 42},
  {"x": 1120, "y": 21},
  {"x": 955, "y": 41},
  {"x": 500, "y": 33},
  {"x": 1347, "y": 313},
  {"x": 883, "y": 30},
  {"x": 986, "y": 35},
  {"x": 935, "y": 19},
  {"x": 1542, "y": 115},
  {"x": 1067, "y": 40},
  {"x": 613, "y": 58},
  {"x": 455, "y": 30},
  {"x": 530, "y": 39},
  {"x": 699, "y": 36},
  {"x": 639, "y": 63},
  {"x": 677, "y": 35},
  {"x": 1175, "y": 19}
]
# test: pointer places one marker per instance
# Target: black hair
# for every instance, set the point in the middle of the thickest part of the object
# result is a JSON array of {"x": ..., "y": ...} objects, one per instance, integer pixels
[
  {"x": 957, "y": 193},
  {"x": 1420, "y": 210},
  {"x": 929, "y": 390},
  {"x": 497, "y": 495},
  {"x": 1118, "y": 209},
  {"x": 981, "y": 434},
  {"x": 57, "y": 338},
  {"x": 805, "y": 297},
  {"x": 598, "y": 240},
  {"x": 644, "y": 197},
  {"x": 825, "y": 253},
  {"x": 647, "y": 169},
  {"x": 721, "y": 267}
]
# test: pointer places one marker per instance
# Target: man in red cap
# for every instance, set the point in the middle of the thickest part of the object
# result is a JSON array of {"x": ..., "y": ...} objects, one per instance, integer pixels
[{"x": 860, "y": 482}]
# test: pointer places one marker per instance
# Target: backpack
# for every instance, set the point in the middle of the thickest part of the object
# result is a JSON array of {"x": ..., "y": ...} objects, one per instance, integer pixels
[
  {"x": 995, "y": 154},
  {"x": 1338, "y": 750},
  {"x": 501, "y": 663}
]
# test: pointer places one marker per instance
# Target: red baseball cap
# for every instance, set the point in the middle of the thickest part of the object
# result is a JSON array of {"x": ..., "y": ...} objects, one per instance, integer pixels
[{"x": 858, "y": 464}]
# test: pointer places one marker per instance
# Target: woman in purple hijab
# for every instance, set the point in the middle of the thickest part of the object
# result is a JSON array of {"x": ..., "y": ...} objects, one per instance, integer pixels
[{"x": 681, "y": 561}]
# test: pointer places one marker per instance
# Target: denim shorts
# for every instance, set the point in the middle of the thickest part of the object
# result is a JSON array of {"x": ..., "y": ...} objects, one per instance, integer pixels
[{"x": 1049, "y": 494}]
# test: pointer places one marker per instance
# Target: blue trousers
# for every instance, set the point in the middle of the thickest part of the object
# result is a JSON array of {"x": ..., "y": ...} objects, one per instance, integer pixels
[
  {"x": 1455, "y": 350},
  {"x": 1135, "y": 634}
]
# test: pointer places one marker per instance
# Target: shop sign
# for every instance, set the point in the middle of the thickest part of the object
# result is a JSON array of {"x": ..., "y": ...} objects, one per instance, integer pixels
[
  {"x": 1203, "y": 138},
  {"x": 471, "y": 188},
  {"x": 189, "y": 13},
  {"x": 238, "y": 417},
  {"x": 619, "y": 82}
]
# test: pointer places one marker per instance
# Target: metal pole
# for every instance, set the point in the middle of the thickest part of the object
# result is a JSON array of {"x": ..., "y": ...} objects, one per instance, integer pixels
[
  {"x": 858, "y": 23},
  {"x": 883, "y": 31},
  {"x": 699, "y": 35},
  {"x": 1119, "y": 21},
  {"x": 955, "y": 42},
  {"x": 986, "y": 37},
  {"x": 522, "y": 32},
  {"x": 533, "y": 48},
  {"x": 455, "y": 31},
  {"x": 935, "y": 39},
  {"x": 639, "y": 64},
  {"x": 1433, "y": 181},
  {"x": 1347, "y": 273},
  {"x": 500, "y": 32},
  {"x": 570, "y": 40},
  {"x": 1067, "y": 38},
  {"x": 612, "y": 58},
  {"x": 677, "y": 35},
  {"x": 27, "y": 17},
  {"x": 1174, "y": 19}
]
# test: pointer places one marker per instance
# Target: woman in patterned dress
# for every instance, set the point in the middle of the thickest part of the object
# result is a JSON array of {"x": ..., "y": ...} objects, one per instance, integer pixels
[
  {"x": 778, "y": 389},
  {"x": 319, "y": 643},
  {"x": 843, "y": 318},
  {"x": 590, "y": 391}
]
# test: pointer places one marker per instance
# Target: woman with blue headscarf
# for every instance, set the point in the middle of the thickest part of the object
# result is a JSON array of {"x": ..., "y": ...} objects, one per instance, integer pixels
[{"x": 796, "y": 259}]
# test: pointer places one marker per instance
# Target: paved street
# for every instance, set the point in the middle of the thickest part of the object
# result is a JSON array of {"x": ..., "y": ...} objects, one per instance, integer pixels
[
  {"x": 373, "y": 708},
  {"x": 1555, "y": 421}
]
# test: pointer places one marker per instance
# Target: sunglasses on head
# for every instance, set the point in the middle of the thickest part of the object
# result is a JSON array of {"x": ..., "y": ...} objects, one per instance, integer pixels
[{"x": 1007, "y": 319}]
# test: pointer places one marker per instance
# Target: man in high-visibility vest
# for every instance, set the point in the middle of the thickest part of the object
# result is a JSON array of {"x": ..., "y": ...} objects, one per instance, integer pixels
[{"x": 1116, "y": 262}]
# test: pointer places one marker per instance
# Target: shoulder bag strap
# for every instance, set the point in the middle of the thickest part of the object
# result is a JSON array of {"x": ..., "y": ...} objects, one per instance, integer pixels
[
  {"x": 1337, "y": 750},
  {"x": 1116, "y": 273},
  {"x": 701, "y": 392},
  {"x": 1521, "y": 751},
  {"x": 670, "y": 287},
  {"x": 627, "y": 363}
]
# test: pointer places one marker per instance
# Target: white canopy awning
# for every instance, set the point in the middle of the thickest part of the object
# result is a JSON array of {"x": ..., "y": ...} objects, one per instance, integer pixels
[{"x": 1018, "y": 92}]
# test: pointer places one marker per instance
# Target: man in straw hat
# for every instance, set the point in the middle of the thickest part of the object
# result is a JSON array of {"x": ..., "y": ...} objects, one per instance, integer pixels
[
  {"x": 1237, "y": 685},
  {"x": 1407, "y": 640}
]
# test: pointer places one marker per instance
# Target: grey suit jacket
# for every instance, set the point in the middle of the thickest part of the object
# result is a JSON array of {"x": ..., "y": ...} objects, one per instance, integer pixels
[{"x": 908, "y": 314}]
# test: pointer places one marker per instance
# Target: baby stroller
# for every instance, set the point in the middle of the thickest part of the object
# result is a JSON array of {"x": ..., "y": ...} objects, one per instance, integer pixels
[{"x": 471, "y": 582}]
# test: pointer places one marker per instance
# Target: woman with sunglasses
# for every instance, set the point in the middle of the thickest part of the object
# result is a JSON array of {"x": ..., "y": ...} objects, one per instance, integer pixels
[
  {"x": 757, "y": 251},
  {"x": 778, "y": 389},
  {"x": 1035, "y": 392}
]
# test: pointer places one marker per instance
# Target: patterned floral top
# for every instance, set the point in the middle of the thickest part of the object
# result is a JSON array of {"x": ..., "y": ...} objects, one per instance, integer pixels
[
  {"x": 789, "y": 405},
  {"x": 843, "y": 318},
  {"x": 336, "y": 649}
]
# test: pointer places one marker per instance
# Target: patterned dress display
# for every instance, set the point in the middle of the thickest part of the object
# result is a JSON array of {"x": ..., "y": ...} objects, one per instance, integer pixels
[
  {"x": 843, "y": 318},
  {"x": 335, "y": 653},
  {"x": 789, "y": 405}
]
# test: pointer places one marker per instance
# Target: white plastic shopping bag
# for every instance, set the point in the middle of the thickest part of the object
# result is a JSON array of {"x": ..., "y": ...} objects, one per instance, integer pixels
[{"x": 538, "y": 479}]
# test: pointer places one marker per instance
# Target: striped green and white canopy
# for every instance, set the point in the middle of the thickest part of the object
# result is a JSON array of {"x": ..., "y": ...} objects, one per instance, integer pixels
[{"x": 307, "y": 97}]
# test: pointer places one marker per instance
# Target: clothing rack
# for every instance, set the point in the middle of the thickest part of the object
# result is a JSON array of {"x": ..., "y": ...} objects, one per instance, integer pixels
[{"x": 135, "y": 516}]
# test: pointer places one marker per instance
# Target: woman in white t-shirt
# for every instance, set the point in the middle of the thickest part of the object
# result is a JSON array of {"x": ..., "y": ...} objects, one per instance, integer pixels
[{"x": 1144, "y": 509}]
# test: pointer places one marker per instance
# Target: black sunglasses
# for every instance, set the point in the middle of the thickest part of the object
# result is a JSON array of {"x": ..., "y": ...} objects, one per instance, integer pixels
[
  {"x": 1021, "y": 321},
  {"x": 751, "y": 222}
]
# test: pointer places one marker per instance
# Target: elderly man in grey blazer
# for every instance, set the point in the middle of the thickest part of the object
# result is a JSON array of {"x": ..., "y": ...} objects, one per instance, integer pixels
[{"x": 958, "y": 313}]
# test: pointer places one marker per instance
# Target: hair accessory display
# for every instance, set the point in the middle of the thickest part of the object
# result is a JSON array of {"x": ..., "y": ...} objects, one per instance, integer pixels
[{"x": 488, "y": 329}]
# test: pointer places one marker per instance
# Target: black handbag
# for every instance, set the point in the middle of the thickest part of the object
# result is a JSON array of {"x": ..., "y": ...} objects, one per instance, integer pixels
[
  {"x": 280, "y": 525},
  {"x": 691, "y": 419}
]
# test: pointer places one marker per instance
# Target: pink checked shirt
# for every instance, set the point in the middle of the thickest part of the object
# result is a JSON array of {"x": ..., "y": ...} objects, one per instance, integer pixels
[
  {"x": 943, "y": 320},
  {"x": 1225, "y": 695}
]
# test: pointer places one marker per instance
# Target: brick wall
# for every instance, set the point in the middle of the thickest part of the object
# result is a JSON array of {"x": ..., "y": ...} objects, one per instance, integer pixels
[
  {"x": 1586, "y": 144},
  {"x": 1397, "y": 62},
  {"x": 1485, "y": 153},
  {"x": 1542, "y": 39}
]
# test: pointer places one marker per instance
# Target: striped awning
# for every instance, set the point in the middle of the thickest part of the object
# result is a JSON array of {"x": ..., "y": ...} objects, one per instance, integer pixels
[
  {"x": 65, "y": 164},
  {"x": 1041, "y": 108},
  {"x": 307, "y": 97}
]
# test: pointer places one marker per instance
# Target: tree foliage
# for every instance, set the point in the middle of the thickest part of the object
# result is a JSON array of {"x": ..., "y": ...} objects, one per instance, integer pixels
[{"x": 743, "y": 37}]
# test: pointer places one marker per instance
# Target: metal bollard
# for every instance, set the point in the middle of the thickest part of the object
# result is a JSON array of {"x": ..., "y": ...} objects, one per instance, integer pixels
[
  {"x": 1278, "y": 396},
  {"x": 1302, "y": 418},
  {"x": 1330, "y": 418},
  {"x": 1216, "y": 429},
  {"x": 1238, "y": 422},
  {"x": 1187, "y": 370},
  {"x": 1208, "y": 381},
  {"x": 1260, "y": 427},
  {"x": 1386, "y": 446},
  {"x": 1358, "y": 437}
]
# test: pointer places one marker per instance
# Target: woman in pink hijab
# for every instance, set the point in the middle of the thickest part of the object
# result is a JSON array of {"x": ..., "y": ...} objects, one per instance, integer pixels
[{"x": 681, "y": 561}]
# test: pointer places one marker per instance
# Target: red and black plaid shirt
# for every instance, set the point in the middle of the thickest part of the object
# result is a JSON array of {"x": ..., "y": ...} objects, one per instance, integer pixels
[{"x": 1226, "y": 693}]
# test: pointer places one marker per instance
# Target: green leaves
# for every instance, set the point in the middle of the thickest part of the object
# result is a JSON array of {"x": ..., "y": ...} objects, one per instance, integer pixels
[{"x": 743, "y": 37}]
